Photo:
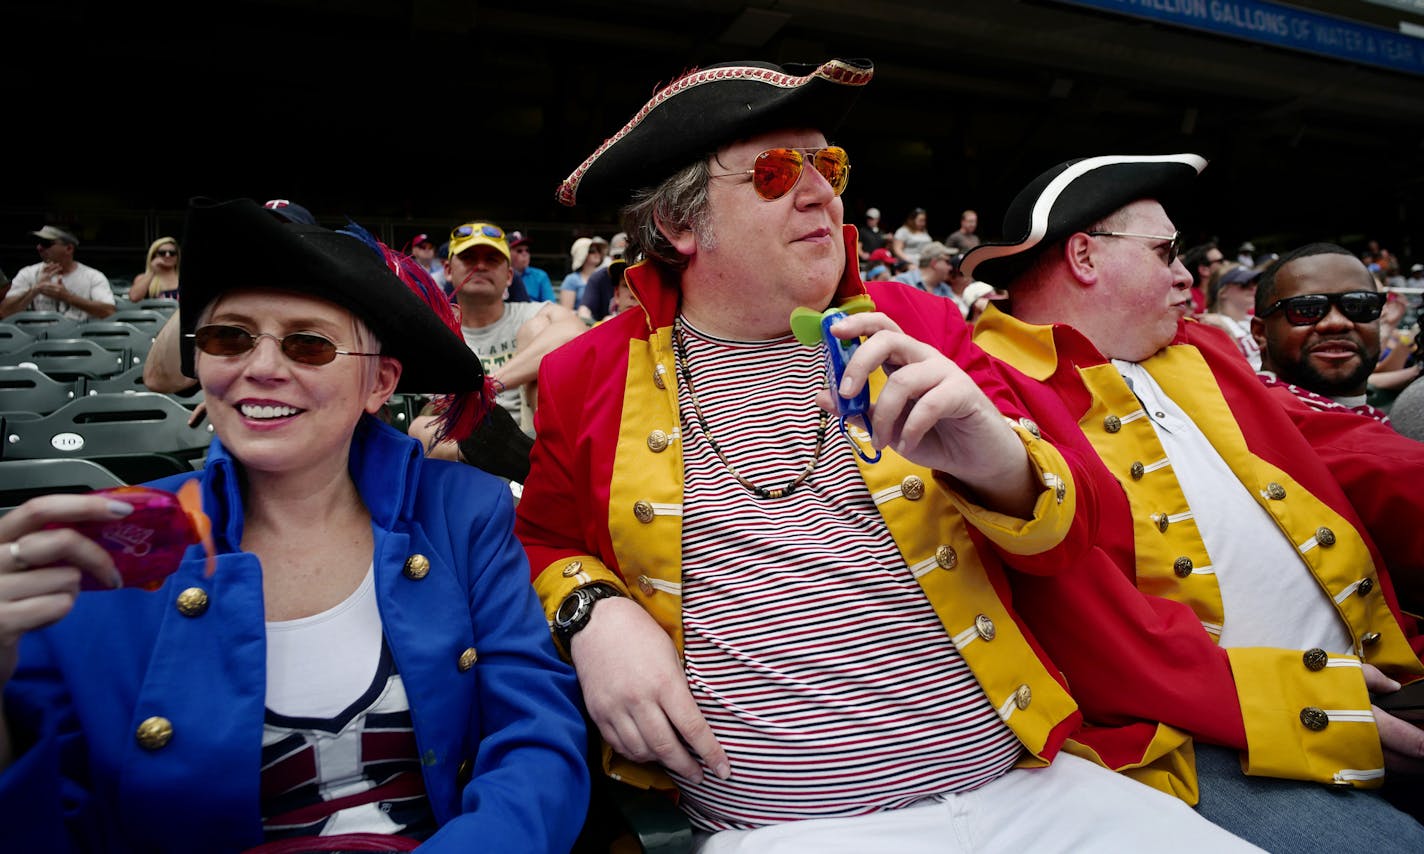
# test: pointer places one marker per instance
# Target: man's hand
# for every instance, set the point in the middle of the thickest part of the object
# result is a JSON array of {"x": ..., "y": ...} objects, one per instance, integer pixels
[
  {"x": 636, "y": 692},
  {"x": 933, "y": 414},
  {"x": 53, "y": 290},
  {"x": 1403, "y": 741}
]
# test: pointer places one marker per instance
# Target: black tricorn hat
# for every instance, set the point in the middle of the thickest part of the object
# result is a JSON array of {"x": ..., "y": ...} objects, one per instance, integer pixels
[
  {"x": 238, "y": 244},
  {"x": 708, "y": 108},
  {"x": 1071, "y": 197}
]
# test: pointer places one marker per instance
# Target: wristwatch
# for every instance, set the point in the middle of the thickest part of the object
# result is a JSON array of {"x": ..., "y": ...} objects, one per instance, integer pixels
[{"x": 576, "y": 609}]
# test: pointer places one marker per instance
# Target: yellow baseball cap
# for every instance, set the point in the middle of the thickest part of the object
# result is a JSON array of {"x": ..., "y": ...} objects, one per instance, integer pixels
[{"x": 462, "y": 237}]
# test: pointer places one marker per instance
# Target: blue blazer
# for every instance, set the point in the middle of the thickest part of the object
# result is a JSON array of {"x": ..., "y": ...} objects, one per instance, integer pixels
[{"x": 502, "y": 743}]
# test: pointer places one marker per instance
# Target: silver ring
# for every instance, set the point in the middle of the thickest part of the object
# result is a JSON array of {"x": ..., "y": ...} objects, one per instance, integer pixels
[{"x": 15, "y": 557}]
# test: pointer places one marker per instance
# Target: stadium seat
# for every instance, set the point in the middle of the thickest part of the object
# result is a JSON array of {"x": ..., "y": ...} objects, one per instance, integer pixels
[
  {"x": 30, "y": 390},
  {"x": 13, "y": 337},
  {"x": 145, "y": 320},
  {"x": 131, "y": 381},
  {"x": 117, "y": 336},
  {"x": 108, "y": 425},
  {"x": 21, "y": 480},
  {"x": 165, "y": 307},
  {"x": 67, "y": 359},
  {"x": 44, "y": 324}
]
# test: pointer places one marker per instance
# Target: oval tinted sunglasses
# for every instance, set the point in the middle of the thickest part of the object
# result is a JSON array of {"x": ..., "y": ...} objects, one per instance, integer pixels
[
  {"x": 469, "y": 228},
  {"x": 1309, "y": 309},
  {"x": 776, "y": 170},
  {"x": 305, "y": 348}
]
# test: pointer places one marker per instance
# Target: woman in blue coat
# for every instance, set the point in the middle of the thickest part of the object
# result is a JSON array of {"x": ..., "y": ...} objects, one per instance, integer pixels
[{"x": 367, "y": 666}]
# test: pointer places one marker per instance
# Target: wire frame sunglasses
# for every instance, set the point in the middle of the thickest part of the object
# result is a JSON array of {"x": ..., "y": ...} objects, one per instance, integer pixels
[
  {"x": 470, "y": 228},
  {"x": 1174, "y": 240},
  {"x": 305, "y": 348},
  {"x": 1309, "y": 309},
  {"x": 776, "y": 170}
]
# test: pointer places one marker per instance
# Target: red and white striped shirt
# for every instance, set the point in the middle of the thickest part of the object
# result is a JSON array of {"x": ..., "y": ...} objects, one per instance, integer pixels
[{"x": 809, "y": 646}]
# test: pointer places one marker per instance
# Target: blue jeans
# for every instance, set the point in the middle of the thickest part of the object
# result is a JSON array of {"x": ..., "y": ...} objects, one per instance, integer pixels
[{"x": 1291, "y": 816}]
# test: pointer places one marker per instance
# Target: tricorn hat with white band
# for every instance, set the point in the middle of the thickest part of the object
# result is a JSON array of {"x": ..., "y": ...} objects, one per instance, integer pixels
[
  {"x": 1071, "y": 197},
  {"x": 708, "y": 108}
]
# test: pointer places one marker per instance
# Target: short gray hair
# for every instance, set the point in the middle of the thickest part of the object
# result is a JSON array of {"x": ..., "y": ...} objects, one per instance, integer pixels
[{"x": 681, "y": 203}]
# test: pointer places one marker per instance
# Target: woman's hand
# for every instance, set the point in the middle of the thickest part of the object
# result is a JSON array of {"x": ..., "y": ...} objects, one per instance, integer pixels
[{"x": 40, "y": 569}]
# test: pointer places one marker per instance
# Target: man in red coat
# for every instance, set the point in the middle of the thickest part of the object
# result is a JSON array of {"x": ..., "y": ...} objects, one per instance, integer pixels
[
  {"x": 810, "y": 630},
  {"x": 1263, "y": 536}
]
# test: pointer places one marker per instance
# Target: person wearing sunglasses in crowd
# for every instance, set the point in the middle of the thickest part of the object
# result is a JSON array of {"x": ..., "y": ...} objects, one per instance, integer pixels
[
  {"x": 1265, "y": 537},
  {"x": 58, "y": 282},
  {"x": 159, "y": 279},
  {"x": 365, "y": 668},
  {"x": 1317, "y": 326},
  {"x": 810, "y": 646},
  {"x": 509, "y": 337},
  {"x": 1230, "y": 298}
]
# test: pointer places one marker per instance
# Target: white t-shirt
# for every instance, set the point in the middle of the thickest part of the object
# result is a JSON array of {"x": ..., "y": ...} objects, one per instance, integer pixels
[
  {"x": 82, "y": 281},
  {"x": 319, "y": 665},
  {"x": 1268, "y": 595},
  {"x": 913, "y": 241},
  {"x": 1241, "y": 334},
  {"x": 497, "y": 343}
]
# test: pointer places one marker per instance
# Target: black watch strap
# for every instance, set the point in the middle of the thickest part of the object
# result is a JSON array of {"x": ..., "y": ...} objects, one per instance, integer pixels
[{"x": 576, "y": 609}]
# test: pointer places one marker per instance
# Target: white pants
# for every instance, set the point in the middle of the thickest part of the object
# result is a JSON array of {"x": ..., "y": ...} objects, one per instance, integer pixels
[{"x": 1070, "y": 806}]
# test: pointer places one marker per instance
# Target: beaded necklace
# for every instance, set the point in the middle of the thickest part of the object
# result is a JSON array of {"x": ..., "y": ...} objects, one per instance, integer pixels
[{"x": 681, "y": 366}]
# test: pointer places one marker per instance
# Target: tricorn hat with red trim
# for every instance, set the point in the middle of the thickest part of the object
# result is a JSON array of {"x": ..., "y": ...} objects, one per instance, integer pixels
[
  {"x": 708, "y": 108},
  {"x": 1071, "y": 197}
]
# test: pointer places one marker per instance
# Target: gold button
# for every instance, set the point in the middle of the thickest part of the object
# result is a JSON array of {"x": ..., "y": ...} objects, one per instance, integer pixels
[
  {"x": 1112, "y": 424},
  {"x": 417, "y": 567},
  {"x": 1324, "y": 536},
  {"x": 572, "y": 568},
  {"x": 1030, "y": 427},
  {"x": 1060, "y": 491},
  {"x": 1315, "y": 659},
  {"x": 645, "y": 585},
  {"x": 985, "y": 627},
  {"x": 1023, "y": 696},
  {"x": 913, "y": 488},
  {"x": 1370, "y": 638},
  {"x": 657, "y": 441},
  {"x": 154, "y": 733},
  {"x": 1138, "y": 470},
  {"x": 1275, "y": 491},
  {"x": 643, "y": 511},
  {"x": 1365, "y": 586},
  {"x": 658, "y": 376},
  {"x": 1161, "y": 520},
  {"x": 1182, "y": 566},
  {"x": 1314, "y": 718},
  {"x": 946, "y": 557},
  {"x": 464, "y": 773},
  {"x": 193, "y": 602},
  {"x": 468, "y": 659}
]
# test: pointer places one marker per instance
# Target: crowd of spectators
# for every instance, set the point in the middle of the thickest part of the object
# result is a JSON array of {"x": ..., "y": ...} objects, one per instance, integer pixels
[{"x": 1133, "y": 538}]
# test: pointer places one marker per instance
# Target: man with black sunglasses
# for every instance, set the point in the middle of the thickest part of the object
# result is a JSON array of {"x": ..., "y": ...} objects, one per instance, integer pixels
[
  {"x": 59, "y": 283},
  {"x": 1258, "y": 540},
  {"x": 806, "y": 626},
  {"x": 1317, "y": 323}
]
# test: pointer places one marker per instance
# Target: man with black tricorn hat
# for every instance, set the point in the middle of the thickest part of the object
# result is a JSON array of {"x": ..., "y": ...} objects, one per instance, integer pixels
[
  {"x": 818, "y": 647},
  {"x": 1261, "y": 533}
]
